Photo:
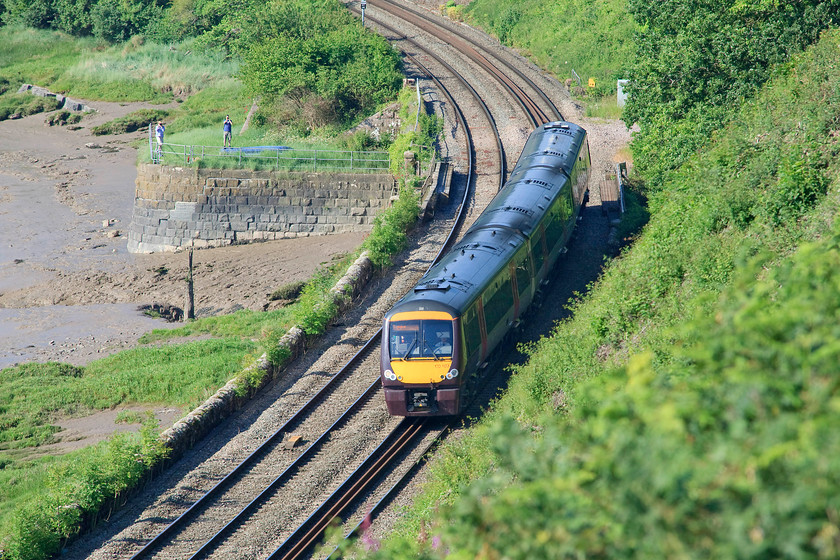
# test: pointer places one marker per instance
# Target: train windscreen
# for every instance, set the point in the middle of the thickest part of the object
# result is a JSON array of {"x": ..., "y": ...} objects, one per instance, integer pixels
[{"x": 422, "y": 338}]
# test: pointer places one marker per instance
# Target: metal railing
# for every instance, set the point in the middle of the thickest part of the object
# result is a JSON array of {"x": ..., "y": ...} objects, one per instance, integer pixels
[{"x": 268, "y": 157}]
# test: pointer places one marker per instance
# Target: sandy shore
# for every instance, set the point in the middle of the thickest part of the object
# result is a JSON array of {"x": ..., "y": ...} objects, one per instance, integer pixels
[{"x": 69, "y": 289}]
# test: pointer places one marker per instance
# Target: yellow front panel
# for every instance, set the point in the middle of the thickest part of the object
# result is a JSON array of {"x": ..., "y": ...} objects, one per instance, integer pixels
[{"x": 421, "y": 370}]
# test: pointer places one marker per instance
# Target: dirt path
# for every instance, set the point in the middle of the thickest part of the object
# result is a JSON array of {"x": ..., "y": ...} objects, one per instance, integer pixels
[{"x": 69, "y": 289}]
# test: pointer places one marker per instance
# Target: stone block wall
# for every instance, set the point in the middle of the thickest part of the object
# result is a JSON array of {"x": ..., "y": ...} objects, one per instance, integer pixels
[{"x": 177, "y": 207}]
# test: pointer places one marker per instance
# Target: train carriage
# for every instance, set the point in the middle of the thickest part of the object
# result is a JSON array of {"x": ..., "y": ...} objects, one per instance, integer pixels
[{"x": 436, "y": 339}]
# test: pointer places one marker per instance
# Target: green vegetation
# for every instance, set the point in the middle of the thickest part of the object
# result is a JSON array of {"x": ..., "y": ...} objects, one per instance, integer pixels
[
  {"x": 595, "y": 39},
  {"x": 389, "y": 237},
  {"x": 289, "y": 291},
  {"x": 35, "y": 56},
  {"x": 72, "y": 490},
  {"x": 36, "y": 394},
  {"x": 22, "y": 104},
  {"x": 144, "y": 71},
  {"x": 695, "y": 61},
  {"x": 689, "y": 407},
  {"x": 311, "y": 65},
  {"x": 315, "y": 63},
  {"x": 138, "y": 120},
  {"x": 61, "y": 118}
]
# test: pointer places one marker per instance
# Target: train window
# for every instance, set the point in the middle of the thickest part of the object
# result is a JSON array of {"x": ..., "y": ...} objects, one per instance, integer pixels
[
  {"x": 427, "y": 338},
  {"x": 437, "y": 339},
  {"x": 566, "y": 204},
  {"x": 554, "y": 230},
  {"x": 472, "y": 330},
  {"x": 498, "y": 303}
]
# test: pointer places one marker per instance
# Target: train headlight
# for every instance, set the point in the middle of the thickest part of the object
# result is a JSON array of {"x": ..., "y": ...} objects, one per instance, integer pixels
[
  {"x": 452, "y": 374},
  {"x": 389, "y": 375}
]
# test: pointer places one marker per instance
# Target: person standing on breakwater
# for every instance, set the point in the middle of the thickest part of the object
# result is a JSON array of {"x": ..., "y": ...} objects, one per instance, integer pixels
[
  {"x": 159, "y": 131},
  {"x": 228, "y": 134}
]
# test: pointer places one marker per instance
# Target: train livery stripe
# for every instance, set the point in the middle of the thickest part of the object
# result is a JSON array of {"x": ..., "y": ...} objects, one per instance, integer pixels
[{"x": 416, "y": 315}]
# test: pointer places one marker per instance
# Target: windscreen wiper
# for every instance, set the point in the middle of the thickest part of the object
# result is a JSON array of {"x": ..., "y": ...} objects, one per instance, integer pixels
[{"x": 410, "y": 348}]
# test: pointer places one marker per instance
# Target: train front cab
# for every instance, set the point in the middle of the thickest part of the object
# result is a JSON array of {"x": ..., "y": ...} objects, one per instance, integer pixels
[{"x": 420, "y": 357}]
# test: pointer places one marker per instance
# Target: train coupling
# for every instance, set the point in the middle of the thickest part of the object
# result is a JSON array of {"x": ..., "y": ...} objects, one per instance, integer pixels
[{"x": 421, "y": 401}]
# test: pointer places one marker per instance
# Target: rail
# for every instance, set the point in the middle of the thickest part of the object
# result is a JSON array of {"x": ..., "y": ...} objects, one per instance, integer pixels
[{"x": 268, "y": 157}]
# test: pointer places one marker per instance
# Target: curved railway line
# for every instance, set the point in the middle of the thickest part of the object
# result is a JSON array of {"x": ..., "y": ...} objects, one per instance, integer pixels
[
  {"x": 270, "y": 478},
  {"x": 533, "y": 110}
]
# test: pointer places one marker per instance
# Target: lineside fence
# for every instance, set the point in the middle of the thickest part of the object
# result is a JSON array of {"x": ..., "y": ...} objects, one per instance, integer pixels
[{"x": 267, "y": 157}]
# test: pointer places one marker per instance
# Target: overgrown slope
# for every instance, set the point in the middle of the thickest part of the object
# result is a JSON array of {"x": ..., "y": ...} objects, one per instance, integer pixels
[
  {"x": 689, "y": 409},
  {"x": 592, "y": 38}
]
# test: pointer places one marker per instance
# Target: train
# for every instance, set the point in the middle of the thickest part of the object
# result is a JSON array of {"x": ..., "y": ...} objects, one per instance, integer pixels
[{"x": 437, "y": 339}]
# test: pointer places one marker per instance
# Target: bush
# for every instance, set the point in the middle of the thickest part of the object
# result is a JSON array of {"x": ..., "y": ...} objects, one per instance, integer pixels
[
  {"x": 18, "y": 105},
  {"x": 389, "y": 228},
  {"x": 316, "y": 306},
  {"x": 78, "y": 489},
  {"x": 287, "y": 292},
  {"x": 696, "y": 60},
  {"x": 62, "y": 118},
  {"x": 138, "y": 120},
  {"x": 318, "y": 57},
  {"x": 118, "y": 20},
  {"x": 688, "y": 409}
]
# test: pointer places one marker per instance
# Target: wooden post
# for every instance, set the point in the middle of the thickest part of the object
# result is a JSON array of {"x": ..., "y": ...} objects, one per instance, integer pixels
[{"x": 189, "y": 313}]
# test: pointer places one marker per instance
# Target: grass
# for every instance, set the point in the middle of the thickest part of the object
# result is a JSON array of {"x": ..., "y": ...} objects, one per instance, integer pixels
[
  {"x": 136, "y": 71},
  {"x": 182, "y": 375},
  {"x": 35, "y": 395},
  {"x": 24, "y": 104},
  {"x": 138, "y": 120},
  {"x": 36, "y": 56},
  {"x": 140, "y": 71},
  {"x": 603, "y": 107},
  {"x": 595, "y": 39}
]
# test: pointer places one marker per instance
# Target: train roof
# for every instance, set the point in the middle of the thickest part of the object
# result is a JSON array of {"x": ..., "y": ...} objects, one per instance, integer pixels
[
  {"x": 537, "y": 179},
  {"x": 554, "y": 146}
]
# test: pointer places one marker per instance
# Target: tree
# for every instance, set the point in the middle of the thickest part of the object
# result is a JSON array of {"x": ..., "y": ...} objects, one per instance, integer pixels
[{"x": 696, "y": 58}]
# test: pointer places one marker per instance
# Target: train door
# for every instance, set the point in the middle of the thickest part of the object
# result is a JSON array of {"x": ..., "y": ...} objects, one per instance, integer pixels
[
  {"x": 523, "y": 276},
  {"x": 538, "y": 253},
  {"x": 514, "y": 278}
]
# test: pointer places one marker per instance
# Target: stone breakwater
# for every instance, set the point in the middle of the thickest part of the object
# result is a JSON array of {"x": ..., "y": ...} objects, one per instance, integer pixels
[{"x": 179, "y": 207}]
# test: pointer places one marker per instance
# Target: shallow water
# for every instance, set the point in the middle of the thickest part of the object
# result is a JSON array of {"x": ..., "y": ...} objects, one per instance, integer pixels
[{"x": 73, "y": 334}]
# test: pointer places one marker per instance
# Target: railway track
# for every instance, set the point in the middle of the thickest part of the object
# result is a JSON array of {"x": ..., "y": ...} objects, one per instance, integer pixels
[
  {"x": 263, "y": 493},
  {"x": 536, "y": 112}
]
